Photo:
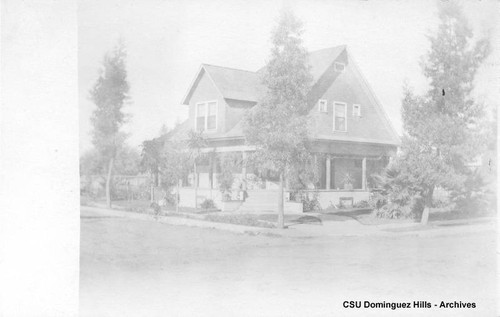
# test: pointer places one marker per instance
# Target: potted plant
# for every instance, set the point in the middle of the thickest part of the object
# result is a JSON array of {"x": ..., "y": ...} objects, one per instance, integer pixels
[{"x": 348, "y": 180}]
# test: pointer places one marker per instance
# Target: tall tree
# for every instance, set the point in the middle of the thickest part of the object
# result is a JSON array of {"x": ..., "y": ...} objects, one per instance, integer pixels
[
  {"x": 277, "y": 126},
  {"x": 109, "y": 94},
  {"x": 151, "y": 158},
  {"x": 444, "y": 128}
]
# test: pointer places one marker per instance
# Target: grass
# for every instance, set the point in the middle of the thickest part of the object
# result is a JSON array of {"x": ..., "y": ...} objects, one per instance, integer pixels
[{"x": 139, "y": 206}]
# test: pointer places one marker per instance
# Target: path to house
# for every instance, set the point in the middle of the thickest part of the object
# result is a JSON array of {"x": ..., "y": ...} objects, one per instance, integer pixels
[{"x": 143, "y": 268}]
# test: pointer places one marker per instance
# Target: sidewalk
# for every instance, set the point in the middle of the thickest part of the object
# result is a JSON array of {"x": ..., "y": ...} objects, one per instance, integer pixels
[{"x": 327, "y": 229}]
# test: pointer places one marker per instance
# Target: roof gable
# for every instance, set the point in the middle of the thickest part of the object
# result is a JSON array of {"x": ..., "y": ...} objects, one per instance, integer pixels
[
  {"x": 378, "y": 106},
  {"x": 232, "y": 83},
  {"x": 238, "y": 84}
]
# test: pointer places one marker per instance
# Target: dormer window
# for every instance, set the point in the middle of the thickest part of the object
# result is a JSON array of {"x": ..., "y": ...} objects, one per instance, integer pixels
[
  {"x": 356, "y": 111},
  {"x": 339, "y": 67},
  {"x": 206, "y": 116},
  {"x": 322, "y": 105}
]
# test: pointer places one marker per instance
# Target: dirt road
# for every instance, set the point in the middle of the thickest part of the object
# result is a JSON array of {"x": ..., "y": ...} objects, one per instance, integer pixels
[{"x": 138, "y": 268}]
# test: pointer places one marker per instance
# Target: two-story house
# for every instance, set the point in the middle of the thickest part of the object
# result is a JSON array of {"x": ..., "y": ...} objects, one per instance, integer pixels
[{"x": 350, "y": 130}]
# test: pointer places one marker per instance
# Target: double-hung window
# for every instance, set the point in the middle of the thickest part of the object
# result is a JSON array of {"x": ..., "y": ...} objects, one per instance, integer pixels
[
  {"x": 206, "y": 116},
  {"x": 339, "y": 117}
]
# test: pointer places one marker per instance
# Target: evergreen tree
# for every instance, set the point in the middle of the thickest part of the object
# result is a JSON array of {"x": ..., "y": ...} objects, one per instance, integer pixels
[
  {"x": 444, "y": 129},
  {"x": 277, "y": 126},
  {"x": 109, "y": 94}
]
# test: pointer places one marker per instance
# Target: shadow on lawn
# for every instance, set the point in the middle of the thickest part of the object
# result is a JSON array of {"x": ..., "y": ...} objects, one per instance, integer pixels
[{"x": 311, "y": 220}]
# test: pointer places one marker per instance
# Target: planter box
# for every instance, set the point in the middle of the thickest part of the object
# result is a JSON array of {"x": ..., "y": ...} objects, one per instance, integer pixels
[{"x": 231, "y": 205}]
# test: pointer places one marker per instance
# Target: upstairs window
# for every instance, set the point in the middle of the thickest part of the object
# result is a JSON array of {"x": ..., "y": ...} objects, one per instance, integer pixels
[
  {"x": 339, "y": 67},
  {"x": 356, "y": 110},
  {"x": 322, "y": 105},
  {"x": 212, "y": 116},
  {"x": 206, "y": 116},
  {"x": 339, "y": 117},
  {"x": 200, "y": 117}
]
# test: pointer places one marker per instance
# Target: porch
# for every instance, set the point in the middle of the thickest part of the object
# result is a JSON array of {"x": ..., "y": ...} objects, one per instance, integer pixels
[
  {"x": 345, "y": 172},
  {"x": 342, "y": 178}
]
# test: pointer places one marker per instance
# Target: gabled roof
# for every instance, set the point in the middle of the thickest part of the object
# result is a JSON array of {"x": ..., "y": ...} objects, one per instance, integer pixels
[
  {"x": 232, "y": 83},
  {"x": 246, "y": 85},
  {"x": 236, "y": 83}
]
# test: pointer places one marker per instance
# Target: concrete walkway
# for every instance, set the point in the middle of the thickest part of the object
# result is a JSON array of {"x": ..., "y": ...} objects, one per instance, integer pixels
[{"x": 327, "y": 229}]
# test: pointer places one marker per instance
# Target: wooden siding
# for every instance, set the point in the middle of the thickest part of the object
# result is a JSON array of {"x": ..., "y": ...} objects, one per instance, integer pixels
[
  {"x": 206, "y": 91},
  {"x": 345, "y": 88}
]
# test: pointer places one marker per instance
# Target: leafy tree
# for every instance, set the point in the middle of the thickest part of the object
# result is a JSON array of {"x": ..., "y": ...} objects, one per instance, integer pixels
[
  {"x": 92, "y": 163},
  {"x": 109, "y": 94},
  {"x": 151, "y": 158},
  {"x": 176, "y": 164},
  {"x": 277, "y": 126},
  {"x": 127, "y": 161},
  {"x": 444, "y": 128}
]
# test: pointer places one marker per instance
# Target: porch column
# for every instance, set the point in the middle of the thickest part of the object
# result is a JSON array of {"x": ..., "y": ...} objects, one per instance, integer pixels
[
  {"x": 214, "y": 172},
  {"x": 363, "y": 174},
  {"x": 328, "y": 169}
]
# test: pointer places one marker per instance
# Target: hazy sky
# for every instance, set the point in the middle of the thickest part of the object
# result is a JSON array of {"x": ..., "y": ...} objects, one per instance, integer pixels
[{"x": 168, "y": 40}]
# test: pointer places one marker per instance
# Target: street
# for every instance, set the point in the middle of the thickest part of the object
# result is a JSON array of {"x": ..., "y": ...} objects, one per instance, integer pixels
[{"x": 140, "y": 268}]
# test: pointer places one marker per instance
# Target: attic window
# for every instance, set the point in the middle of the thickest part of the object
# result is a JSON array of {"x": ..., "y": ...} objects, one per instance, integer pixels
[
  {"x": 322, "y": 105},
  {"x": 339, "y": 67},
  {"x": 356, "y": 110}
]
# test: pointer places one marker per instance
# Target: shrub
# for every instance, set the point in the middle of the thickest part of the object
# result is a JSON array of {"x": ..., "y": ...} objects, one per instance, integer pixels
[
  {"x": 397, "y": 198},
  {"x": 361, "y": 204},
  {"x": 311, "y": 205},
  {"x": 396, "y": 210},
  {"x": 170, "y": 198},
  {"x": 207, "y": 204}
]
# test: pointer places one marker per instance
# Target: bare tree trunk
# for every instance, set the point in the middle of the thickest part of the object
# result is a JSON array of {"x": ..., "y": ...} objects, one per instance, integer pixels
[
  {"x": 108, "y": 183},
  {"x": 281, "y": 213},
  {"x": 195, "y": 186},
  {"x": 428, "y": 205}
]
